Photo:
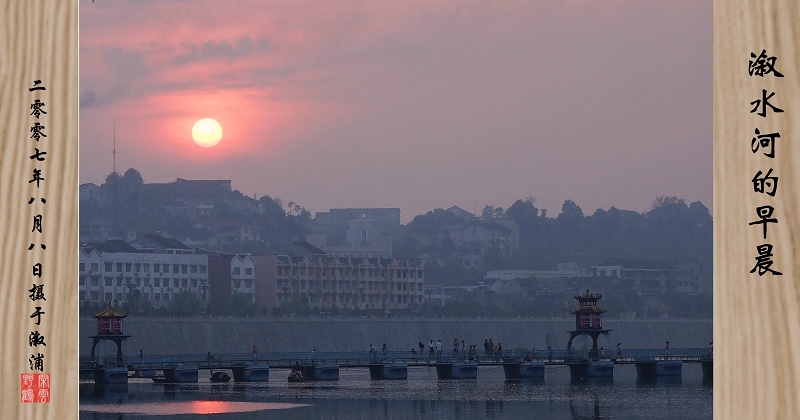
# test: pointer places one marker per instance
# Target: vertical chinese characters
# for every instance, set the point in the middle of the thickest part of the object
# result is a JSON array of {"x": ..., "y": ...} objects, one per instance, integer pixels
[
  {"x": 764, "y": 183},
  {"x": 36, "y": 387}
]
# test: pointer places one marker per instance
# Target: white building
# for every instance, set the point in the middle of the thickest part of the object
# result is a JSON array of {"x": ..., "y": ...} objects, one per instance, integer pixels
[
  {"x": 114, "y": 271},
  {"x": 243, "y": 275},
  {"x": 154, "y": 278}
]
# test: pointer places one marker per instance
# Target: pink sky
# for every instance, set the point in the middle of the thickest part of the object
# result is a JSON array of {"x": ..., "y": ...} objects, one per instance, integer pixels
[{"x": 410, "y": 104}]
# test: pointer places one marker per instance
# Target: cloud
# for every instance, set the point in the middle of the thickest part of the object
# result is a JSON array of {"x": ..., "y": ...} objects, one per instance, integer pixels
[
  {"x": 241, "y": 47},
  {"x": 88, "y": 99},
  {"x": 125, "y": 64}
]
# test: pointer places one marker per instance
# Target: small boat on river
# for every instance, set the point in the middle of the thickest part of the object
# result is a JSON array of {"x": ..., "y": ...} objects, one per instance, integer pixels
[
  {"x": 296, "y": 376},
  {"x": 220, "y": 377}
]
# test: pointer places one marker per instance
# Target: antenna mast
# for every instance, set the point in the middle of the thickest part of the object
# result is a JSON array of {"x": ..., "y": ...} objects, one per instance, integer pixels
[{"x": 114, "y": 152}]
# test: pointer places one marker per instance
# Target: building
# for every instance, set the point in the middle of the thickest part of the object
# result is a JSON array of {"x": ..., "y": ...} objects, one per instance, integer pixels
[
  {"x": 91, "y": 193},
  {"x": 334, "y": 220},
  {"x": 654, "y": 275},
  {"x": 228, "y": 275},
  {"x": 564, "y": 270},
  {"x": 331, "y": 283},
  {"x": 364, "y": 238},
  {"x": 479, "y": 239},
  {"x": 110, "y": 275},
  {"x": 115, "y": 271}
]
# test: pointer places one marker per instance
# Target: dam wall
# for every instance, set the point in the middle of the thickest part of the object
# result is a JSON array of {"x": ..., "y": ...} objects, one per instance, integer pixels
[{"x": 238, "y": 335}]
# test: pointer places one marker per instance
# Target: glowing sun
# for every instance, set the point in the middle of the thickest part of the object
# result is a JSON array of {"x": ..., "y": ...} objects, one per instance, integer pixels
[{"x": 207, "y": 132}]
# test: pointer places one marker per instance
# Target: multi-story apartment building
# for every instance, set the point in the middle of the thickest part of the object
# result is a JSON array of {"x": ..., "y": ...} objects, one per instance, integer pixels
[
  {"x": 109, "y": 276},
  {"x": 331, "y": 283},
  {"x": 114, "y": 271}
]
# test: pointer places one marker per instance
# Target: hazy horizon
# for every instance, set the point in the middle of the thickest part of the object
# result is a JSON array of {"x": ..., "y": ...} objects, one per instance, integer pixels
[{"x": 410, "y": 105}]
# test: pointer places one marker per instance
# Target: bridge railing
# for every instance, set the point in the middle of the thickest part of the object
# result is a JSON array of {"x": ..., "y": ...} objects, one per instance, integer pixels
[{"x": 286, "y": 359}]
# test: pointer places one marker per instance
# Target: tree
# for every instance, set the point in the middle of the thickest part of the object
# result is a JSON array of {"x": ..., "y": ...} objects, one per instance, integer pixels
[
  {"x": 240, "y": 304},
  {"x": 570, "y": 213},
  {"x": 185, "y": 303}
]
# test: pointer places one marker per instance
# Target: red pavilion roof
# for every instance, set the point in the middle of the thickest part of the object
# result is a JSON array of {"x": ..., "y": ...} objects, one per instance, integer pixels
[{"x": 110, "y": 312}]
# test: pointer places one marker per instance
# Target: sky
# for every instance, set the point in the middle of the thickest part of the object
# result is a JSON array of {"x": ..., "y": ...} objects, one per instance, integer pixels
[{"x": 410, "y": 104}]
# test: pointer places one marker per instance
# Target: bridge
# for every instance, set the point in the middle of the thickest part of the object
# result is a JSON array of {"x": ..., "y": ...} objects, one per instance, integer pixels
[{"x": 247, "y": 367}]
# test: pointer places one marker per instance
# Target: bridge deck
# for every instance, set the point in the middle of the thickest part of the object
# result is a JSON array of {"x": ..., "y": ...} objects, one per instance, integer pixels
[{"x": 364, "y": 359}]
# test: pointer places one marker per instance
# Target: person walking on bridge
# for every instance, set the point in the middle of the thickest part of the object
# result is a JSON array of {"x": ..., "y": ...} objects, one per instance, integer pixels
[
  {"x": 438, "y": 348},
  {"x": 255, "y": 352},
  {"x": 455, "y": 347}
]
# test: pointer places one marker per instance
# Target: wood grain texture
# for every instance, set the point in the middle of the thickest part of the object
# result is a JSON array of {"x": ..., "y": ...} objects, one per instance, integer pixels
[
  {"x": 756, "y": 337},
  {"x": 39, "y": 40}
]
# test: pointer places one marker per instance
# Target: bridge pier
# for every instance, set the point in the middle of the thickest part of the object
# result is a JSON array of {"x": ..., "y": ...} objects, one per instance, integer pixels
[
  {"x": 654, "y": 369},
  {"x": 111, "y": 375},
  {"x": 320, "y": 372},
  {"x": 457, "y": 370},
  {"x": 254, "y": 373},
  {"x": 524, "y": 370},
  {"x": 592, "y": 369},
  {"x": 388, "y": 371},
  {"x": 181, "y": 374},
  {"x": 708, "y": 370}
]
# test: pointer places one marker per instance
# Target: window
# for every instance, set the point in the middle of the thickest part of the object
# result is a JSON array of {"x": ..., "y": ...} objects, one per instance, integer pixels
[
  {"x": 157, "y": 282},
  {"x": 119, "y": 267},
  {"x": 184, "y": 269},
  {"x": 175, "y": 268},
  {"x": 108, "y": 266},
  {"x": 202, "y": 269},
  {"x": 237, "y": 284},
  {"x": 95, "y": 267},
  {"x": 194, "y": 282},
  {"x": 147, "y": 267},
  {"x": 248, "y": 271},
  {"x": 236, "y": 270},
  {"x": 184, "y": 283},
  {"x": 194, "y": 268},
  {"x": 248, "y": 284},
  {"x": 94, "y": 281},
  {"x": 137, "y": 267},
  {"x": 82, "y": 266},
  {"x": 175, "y": 282},
  {"x": 128, "y": 267},
  {"x": 94, "y": 295},
  {"x": 109, "y": 281}
]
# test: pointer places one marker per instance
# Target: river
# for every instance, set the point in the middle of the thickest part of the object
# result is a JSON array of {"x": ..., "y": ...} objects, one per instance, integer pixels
[{"x": 421, "y": 396}]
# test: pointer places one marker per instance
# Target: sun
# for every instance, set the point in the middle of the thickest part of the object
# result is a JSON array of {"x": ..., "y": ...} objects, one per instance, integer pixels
[{"x": 207, "y": 132}]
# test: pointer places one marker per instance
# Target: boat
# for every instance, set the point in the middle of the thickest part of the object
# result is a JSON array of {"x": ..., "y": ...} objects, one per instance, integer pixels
[
  {"x": 159, "y": 379},
  {"x": 296, "y": 376},
  {"x": 220, "y": 377}
]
